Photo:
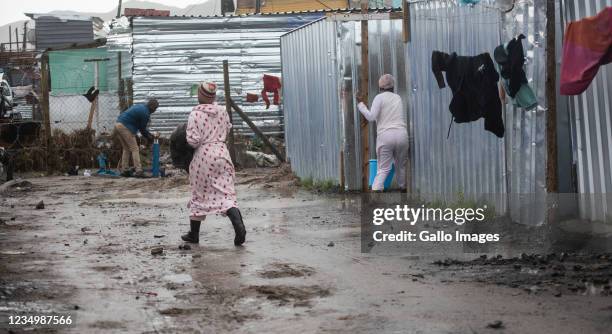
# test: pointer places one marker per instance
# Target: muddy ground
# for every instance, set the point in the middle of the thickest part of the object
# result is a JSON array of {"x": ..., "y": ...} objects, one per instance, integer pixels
[{"x": 88, "y": 252}]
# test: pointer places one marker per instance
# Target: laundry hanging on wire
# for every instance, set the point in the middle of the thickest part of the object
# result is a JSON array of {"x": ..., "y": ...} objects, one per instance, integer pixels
[
  {"x": 586, "y": 47},
  {"x": 271, "y": 84},
  {"x": 474, "y": 83}
]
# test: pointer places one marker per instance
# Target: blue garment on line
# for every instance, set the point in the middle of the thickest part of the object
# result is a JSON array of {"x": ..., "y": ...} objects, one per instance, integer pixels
[
  {"x": 136, "y": 118},
  {"x": 469, "y": 2}
]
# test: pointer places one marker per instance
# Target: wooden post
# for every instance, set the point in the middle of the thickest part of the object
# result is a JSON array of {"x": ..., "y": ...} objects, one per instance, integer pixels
[
  {"x": 552, "y": 182},
  {"x": 25, "y": 31},
  {"x": 94, "y": 105},
  {"x": 228, "y": 108},
  {"x": 119, "y": 9},
  {"x": 44, "y": 104},
  {"x": 342, "y": 177},
  {"x": 92, "y": 111},
  {"x": 256, "y": 130},
  {"x": 405, "y": 21},
  {"x": 17, "y": 38},
  {"x": 364, "y": 83}
]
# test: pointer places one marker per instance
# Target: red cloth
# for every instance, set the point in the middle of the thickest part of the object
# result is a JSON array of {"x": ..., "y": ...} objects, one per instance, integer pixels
[
  {"x": 252, "y": 97},
  {"x": 271, "y": 85},
  {"x": 587, "y": 46}
]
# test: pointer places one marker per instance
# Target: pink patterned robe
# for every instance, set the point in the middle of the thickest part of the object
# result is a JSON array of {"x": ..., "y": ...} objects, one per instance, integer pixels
[{"x": 211, "y": 173}]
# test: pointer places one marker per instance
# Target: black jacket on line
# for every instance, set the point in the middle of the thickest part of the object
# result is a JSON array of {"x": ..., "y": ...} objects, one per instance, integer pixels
[
  {"x": 511, "y": 60},
  {"x": 473, "y": 81}
]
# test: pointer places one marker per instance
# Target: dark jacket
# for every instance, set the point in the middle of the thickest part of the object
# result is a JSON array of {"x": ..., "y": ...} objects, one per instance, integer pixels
[
  {"x": 473, "y": 81},
  {"x": 511, "y": 60},
  {"x": 180, "y": 151},
  {"x": 136, "y": 118}
]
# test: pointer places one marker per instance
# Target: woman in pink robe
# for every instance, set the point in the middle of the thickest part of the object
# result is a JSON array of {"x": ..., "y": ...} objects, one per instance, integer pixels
[{"x": 211, "y": 172}]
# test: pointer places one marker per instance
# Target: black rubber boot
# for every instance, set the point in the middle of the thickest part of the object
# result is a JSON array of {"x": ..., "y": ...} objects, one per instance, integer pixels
[
  {"x": 236, "y": 218},
  {"x": 193, "y": 235}
]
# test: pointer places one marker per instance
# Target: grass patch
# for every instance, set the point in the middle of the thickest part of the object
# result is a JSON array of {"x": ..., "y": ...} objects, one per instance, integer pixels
[{"x": 326, "y": 186}]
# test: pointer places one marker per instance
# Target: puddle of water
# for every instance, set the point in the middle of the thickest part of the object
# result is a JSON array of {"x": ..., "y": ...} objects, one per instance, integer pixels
[
  {"x": 178, "y": 278},
  {"x": 12, "y": 253},
  {"x": 150, "y": 201}
]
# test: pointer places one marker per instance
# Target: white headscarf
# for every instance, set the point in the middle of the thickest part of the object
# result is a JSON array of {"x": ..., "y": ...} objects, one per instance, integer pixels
[{"x": 386, "y": 81}]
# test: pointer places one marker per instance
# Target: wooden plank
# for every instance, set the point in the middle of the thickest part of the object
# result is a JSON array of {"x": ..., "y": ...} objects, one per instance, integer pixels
[
  {"x": 44, "y": 104},
  {"x": 364, "y": 83},
  {"x": 92, "y": 111},
  {"x": 256, "y": 130},
  {"x": 363, "y": 16},
  {"x": 405, "y": 21},
  {"x": 228, "y": 108},
  {"x": 342, "y": 177}
]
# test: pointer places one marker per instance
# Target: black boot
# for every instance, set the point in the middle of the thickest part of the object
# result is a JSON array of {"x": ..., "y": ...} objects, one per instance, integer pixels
[
  {"x": 236, "y": 218},
  {"x": 193, "y": 235}
]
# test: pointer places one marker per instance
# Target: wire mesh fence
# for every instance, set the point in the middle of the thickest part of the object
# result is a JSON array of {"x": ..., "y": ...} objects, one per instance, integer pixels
[{"x": 65, "y": 122}]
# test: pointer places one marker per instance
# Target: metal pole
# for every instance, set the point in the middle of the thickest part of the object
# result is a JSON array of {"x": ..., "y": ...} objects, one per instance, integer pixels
[{"x": 364, "y": 84}]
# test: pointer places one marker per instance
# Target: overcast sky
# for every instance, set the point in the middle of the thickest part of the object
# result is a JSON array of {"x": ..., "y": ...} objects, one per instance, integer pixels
[{"x": 12, "y": 10}]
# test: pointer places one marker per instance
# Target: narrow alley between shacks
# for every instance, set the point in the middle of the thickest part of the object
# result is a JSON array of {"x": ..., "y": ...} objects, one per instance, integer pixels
[{"x": 89, "y": 251}]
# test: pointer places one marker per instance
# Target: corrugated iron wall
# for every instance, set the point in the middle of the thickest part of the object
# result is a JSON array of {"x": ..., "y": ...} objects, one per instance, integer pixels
[
  {"x": 525, "y": 139},
  {"x": 470, "y": 160},
  {"x": 171, "y": 54},
  {"x": 311, "y": 101},
  {"x": 591, "y": 120},
  {"x": 53, "y": 32}
]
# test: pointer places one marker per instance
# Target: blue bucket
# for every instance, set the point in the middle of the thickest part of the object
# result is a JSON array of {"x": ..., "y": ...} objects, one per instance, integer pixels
[{"x": 374, "y": 167}]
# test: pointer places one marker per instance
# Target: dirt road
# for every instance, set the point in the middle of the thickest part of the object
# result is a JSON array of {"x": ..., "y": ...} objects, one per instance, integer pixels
[{"x": 88, "y": 251}]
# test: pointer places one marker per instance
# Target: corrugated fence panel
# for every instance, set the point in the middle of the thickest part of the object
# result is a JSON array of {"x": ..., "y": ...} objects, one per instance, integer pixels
[
  {"x": 173, "y": 53},
  {"x": 526, "y": 130},
  {"x": 471, "y": 160},
  {"x": 311, "y": 103},
  {"x": 592, "y": 127},
  {"x": 53, "y": 32}
]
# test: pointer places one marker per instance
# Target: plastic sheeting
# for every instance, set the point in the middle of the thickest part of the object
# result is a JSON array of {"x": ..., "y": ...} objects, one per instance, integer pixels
[{"x": 171, "y": 54}]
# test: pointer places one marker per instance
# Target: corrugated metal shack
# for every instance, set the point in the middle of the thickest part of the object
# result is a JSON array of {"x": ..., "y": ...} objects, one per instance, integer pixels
[
  {"x": 170, "y": 54},
  {"x": 471, "y": 160},
  {"x": 57, "y": 31}
]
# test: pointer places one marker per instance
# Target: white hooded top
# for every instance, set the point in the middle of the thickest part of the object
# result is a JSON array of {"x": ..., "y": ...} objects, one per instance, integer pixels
[{"x": 386, "y": 111}]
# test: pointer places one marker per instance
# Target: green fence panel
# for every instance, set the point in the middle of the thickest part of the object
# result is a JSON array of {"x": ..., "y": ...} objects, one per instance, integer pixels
[{"x": 72, "y": 74}]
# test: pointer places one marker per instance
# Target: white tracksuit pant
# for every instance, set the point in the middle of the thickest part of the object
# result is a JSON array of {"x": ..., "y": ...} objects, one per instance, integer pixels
[{"x": 391, "y": 147}]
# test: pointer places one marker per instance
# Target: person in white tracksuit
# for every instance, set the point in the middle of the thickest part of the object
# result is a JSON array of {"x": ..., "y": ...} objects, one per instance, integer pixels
[{"x": 392, "y": 133}]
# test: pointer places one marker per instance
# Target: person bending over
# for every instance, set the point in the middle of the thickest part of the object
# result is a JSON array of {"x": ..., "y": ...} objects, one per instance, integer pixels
[{"x": 129, "y": 123}]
